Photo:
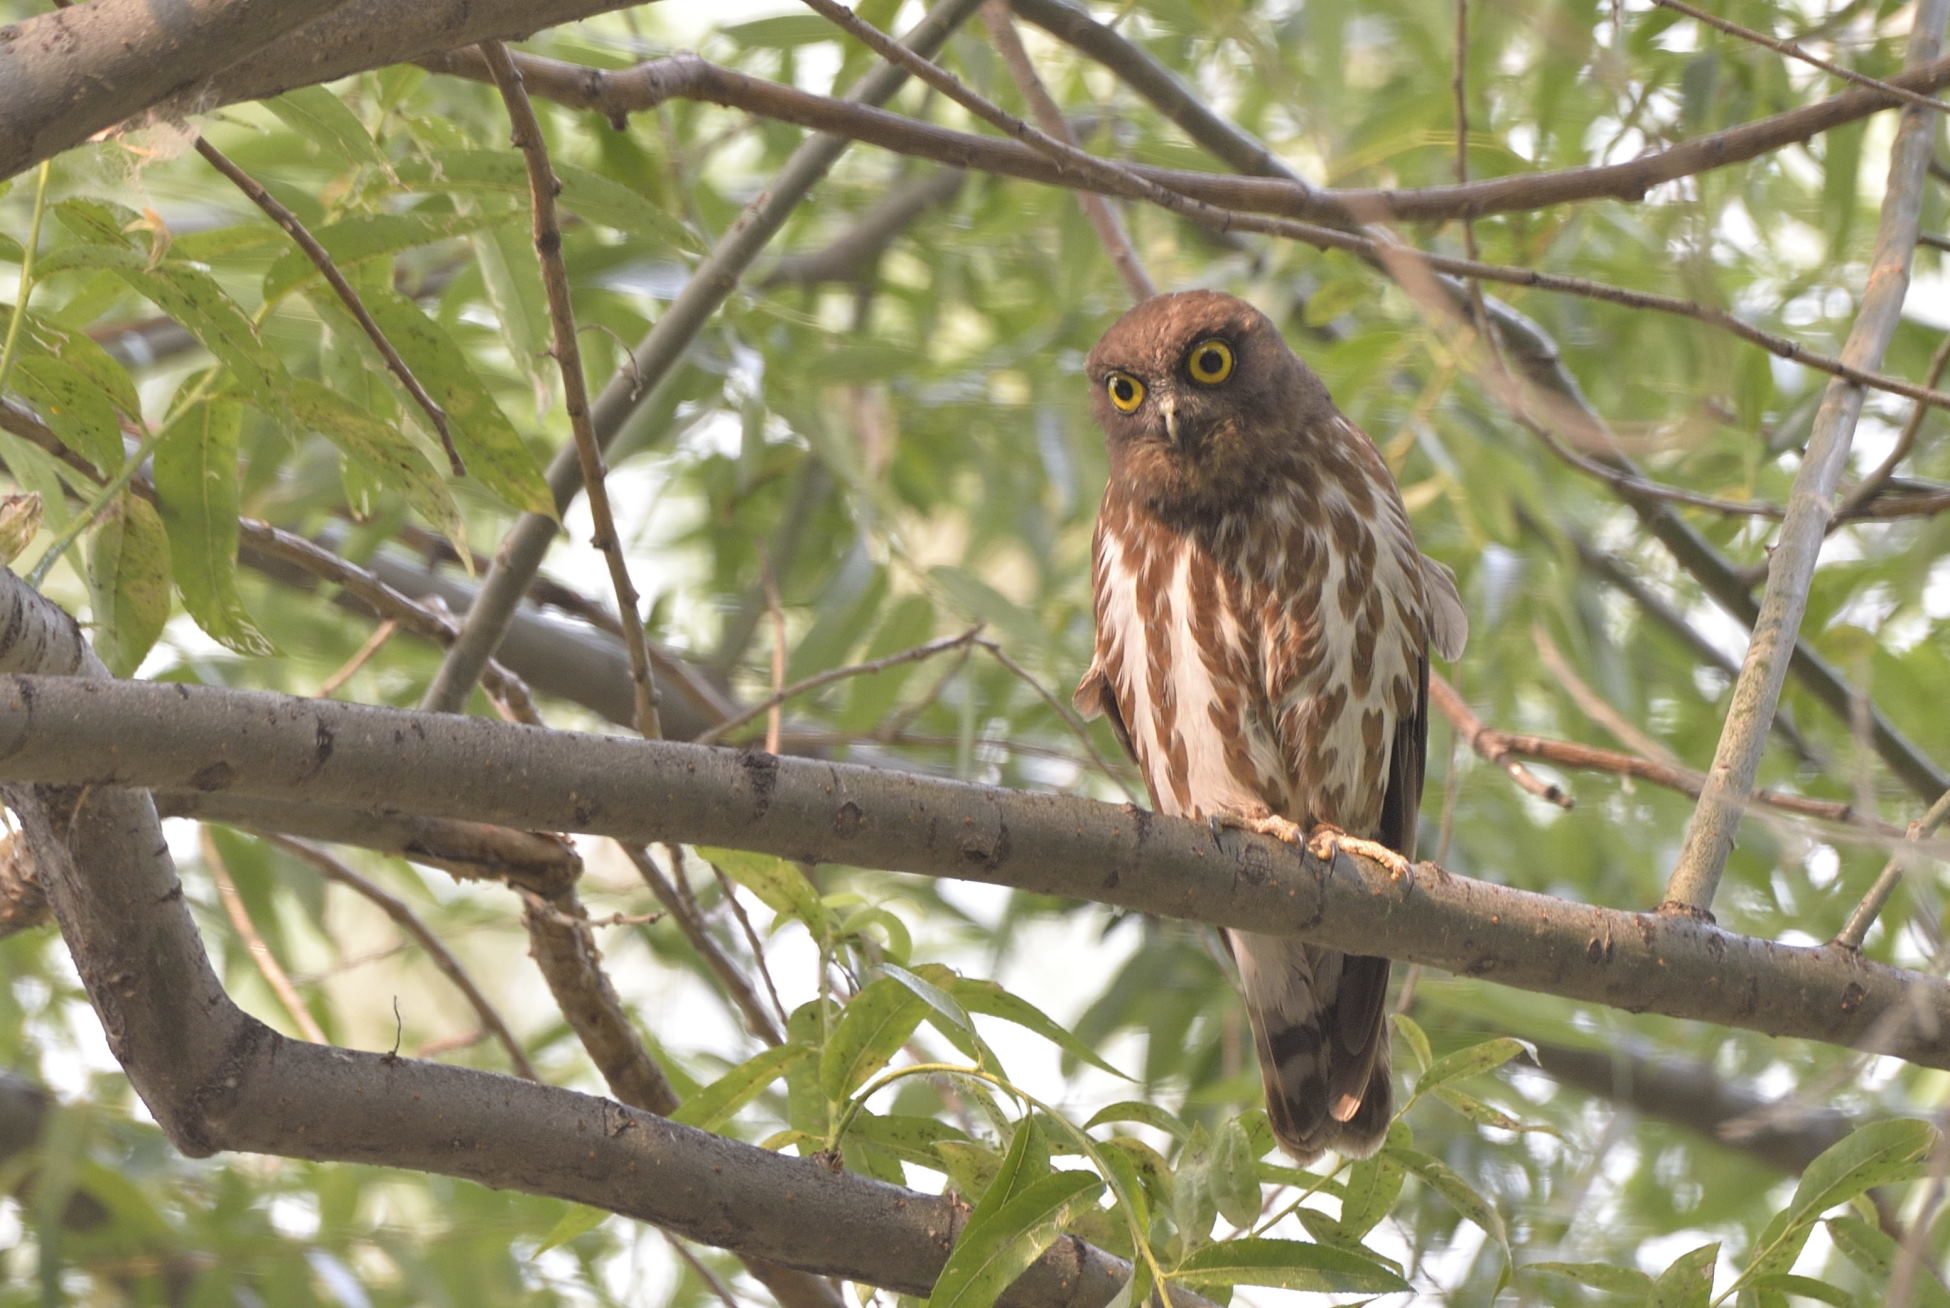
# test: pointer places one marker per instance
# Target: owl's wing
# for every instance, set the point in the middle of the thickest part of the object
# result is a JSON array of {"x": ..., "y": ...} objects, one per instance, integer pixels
[{"x": 1095, "y": 696}]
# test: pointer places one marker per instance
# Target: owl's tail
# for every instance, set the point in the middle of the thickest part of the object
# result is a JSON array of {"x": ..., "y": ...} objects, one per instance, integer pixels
[{"x": 1317, "y": 1019}]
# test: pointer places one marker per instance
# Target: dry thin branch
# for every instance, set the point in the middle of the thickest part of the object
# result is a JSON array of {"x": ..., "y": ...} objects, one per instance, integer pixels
[
  {"x": 1793, "y": 50},
  {"x": 653, "y": 360},
  {"x": 688, "y": 76},
  {"x": 1103, "y": 219},
  {"x": 542, "y": 190},
  {"x": 1709, "y": 835},
  {"x": 1869, "y": 491},
  {"x": 254, "y": 944},
  {"x": 329, "y": 270},
  {"x": 62, "y": 731},
  {"x": 1491, "y": 745},
  {"x": 684, "y": 910},
  {"x": 437, "y": 952},
  {"x": 1859, "y": 921},
  {"x": 829, "y": 676}
]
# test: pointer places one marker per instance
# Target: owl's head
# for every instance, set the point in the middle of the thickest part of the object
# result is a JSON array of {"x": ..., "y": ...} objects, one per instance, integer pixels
[{"x": 1202, "y": 403}]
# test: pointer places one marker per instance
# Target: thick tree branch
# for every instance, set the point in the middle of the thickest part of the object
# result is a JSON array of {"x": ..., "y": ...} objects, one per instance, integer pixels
[
  {"x": 215, "y": 1078},
  {"x": 111, "y": 734},
  {"x": 67, "y": 74},
  {"x": 1811, "y": 503}
]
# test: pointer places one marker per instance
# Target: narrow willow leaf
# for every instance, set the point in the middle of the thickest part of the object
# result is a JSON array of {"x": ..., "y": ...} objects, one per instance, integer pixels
[
  {"x": 990, "y": 999},
  {"x": 1287, "y": 1265},
  {"x": 713, "y": 1106},
  {"x": 971, "y": 1167},
  {"x": 196, "y": 487},
  {"x": 382, "y": 451},
  {"x": 1473, "y": 1061},
  {"x": 779, "y": 885},
  {"x": 1136, "y": 1110},
  {"x": 1872, "y": 1155},
  {"x": 999, "y": 1243},
  {"x": 326, "y": 120},
  {"x": 907, "y": 1136},
  {"x": 1235, "y": 1184},
  {"x": 1417, "y": 1042},
  {"x": 505, "y": 254},
  {"x": 73, "y": 407},
  {"x": 493, "y": 450},
  {"x": 1600, "y": 1276},
  {"x": 933, "y": 995},
  {"x": 1368, "y": 1194},
  {"x": 873, "y": 1026},
  {"x": 351, "y": 241},
  {"x": 1193, "y": 1208},
  {"x": 128, "y": 582},
  {"x": 1025, "y": 1162},
  {"x": 1688, "y": 1283},
  {"x": 1463, "y": 1197},
  {"x": 1803, "y": 1289},
  {"x": 578, "y": 1220},
  {"x": 584, "y": 193},
  {"x": 1476, "y": 1110}
]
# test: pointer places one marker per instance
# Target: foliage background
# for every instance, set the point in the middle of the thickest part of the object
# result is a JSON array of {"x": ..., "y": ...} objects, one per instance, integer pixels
[{"x": 908, "y": 454}]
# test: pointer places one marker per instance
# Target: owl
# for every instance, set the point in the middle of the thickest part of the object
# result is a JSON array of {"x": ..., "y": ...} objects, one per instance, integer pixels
[{"x": 1264, "y": 621}]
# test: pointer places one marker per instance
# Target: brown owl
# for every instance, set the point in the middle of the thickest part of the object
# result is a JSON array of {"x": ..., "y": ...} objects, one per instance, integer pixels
[{"x": 1263, "y": 628}]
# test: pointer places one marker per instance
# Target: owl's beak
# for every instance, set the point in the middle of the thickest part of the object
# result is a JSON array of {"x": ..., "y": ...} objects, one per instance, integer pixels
[{"x": 1169, "y": 407}]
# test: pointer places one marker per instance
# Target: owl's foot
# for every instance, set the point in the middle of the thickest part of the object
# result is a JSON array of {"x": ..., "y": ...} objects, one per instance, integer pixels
[
  {"x": 1270, "y": 824},
  {"x": 1327, "y": 839}
]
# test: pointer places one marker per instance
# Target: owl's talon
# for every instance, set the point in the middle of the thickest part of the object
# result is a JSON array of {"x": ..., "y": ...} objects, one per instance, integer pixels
[
  {"x": 1328, "y": 839},
  {"x": 1270, "y": 824}
]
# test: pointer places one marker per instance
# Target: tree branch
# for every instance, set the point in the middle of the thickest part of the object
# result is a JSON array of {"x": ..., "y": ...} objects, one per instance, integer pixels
[
  {"x": 215, "y": 1078},
  {"x": 107, "y": 734},
  {"x": 1811, "y": 503}
]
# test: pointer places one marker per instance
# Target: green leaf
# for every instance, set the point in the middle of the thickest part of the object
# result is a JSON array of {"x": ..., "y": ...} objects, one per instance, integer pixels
[
  {"x": 196, "y": 488},
  {"x": 1443, "y": 1179},
  {"x": 495, "y": 454},
  {"x": 351, "y": 241},
  {"x": 1876, "y": 1154},
  {"x": 1417, "y": 1042},
  {"x": 1000, "y": 1242},
  {"x": 1235, "y": 1183},
  {"x": 991, "y": 1000},
  {"x": 1600, "y": 1276},
  {"x": 586, "y": 194},
  {"x": 326, "y": 120},
  {"x": 1136, "y": 1110},
  {"x": 1873, "y": 1250},
  {"x": 713, "y": 1106},
  {"x": 1688, "y": 1283},
  {"x": 907, "y": 1136},
  {"x": 1368, "y": 1195},
  {"x": 579, "y": 1219},
  {"x": 779, "y": 885},
  {"x": 128, "y": 582},
  {"x": 73, "y": 407},
  {"x": 873, "y": 1026},
  {"x": 1193, "y": 1207},
  {"x": 379, "y": 450},
  {"x": 505, "y": 254},
  {"x": 1287, "y": 1265},
  {"x": 1803, "y": 1288},
  {"x": 1476, "y": 1110},
  {"x": 1473, "y": 1061}
]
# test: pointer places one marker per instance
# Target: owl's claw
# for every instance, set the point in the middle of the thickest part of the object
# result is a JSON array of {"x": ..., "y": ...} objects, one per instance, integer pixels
[
  {"x": 1270, "y": 824},
  {"x": 1328, "y": 839}
]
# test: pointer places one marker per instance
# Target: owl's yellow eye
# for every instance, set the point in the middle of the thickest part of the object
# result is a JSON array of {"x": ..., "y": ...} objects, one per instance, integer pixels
[
  {"x": 1126, "y": 391},
  {"x": 1210, "y": 362}
]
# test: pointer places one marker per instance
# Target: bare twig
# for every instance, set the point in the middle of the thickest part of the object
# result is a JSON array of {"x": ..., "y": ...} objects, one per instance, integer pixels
[
  {"x": 437, "y": 952},
  {"x": 829, "y": 676},
  {"x": 374, "y": 643},
  {"x": 1793, "y": 50},
  {"x": 1866, "y": 494},
  {"x": 260, "y": 952},
  {"x": 329, "y": 270},
  {"x": 1103, "y": 219},
  {"x": 655, "y": 356},
  {"x": 1491, "y": 745},
  {"x": 1865, "y": 913},
  {"x": 1709, "y": 835},
  {"x": 757, "y": 1018},
  {"x": 542, "y": 190}
]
